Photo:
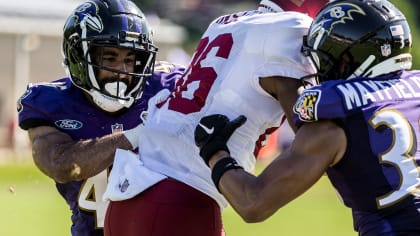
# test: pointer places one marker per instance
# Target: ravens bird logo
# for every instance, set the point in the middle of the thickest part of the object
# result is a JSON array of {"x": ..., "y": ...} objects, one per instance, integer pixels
[{"x": 339, "y": 14}]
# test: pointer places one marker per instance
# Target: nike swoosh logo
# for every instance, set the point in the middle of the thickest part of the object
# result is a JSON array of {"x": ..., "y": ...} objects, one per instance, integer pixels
[{"x": 208, "y": 131}]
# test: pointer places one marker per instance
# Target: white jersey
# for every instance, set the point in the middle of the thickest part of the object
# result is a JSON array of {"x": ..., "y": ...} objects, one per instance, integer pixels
[{"x": 223, "y": 78}]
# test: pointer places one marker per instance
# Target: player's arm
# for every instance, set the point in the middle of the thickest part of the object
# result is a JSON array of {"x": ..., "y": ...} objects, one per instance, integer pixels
[
  {"x": 316, "y": 146},
  {"x": 60, "y": 157},
  {"x": 285, "y": 90}
]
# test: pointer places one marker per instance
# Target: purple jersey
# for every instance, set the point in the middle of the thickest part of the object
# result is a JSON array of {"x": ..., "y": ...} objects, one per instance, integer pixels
[
  {"x": 62, "y": 105},
  {"x": 378, "y": 177}
]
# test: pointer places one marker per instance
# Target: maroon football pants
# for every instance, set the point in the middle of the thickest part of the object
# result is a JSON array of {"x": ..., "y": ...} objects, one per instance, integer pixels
[{"x": 169, "y": 208}]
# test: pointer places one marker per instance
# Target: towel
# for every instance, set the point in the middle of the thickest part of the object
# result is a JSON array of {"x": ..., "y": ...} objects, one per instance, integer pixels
[{"x": 129, "y": 177}]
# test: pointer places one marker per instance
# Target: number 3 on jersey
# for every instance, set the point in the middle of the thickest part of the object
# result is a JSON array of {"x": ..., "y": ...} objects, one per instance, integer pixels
[
  {"x": 193, "y": 88},
  {"x": 400, "y": 155}
]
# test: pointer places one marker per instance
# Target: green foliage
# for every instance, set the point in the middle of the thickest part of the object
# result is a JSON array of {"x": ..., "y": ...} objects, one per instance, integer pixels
[{"x": 410, "y": 11}]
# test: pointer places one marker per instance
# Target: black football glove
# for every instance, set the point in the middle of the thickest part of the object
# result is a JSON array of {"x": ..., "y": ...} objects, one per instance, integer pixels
[{"x": 213, "y": 132}]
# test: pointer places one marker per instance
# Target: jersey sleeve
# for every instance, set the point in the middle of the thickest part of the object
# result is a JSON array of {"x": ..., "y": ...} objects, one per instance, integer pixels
[
  {"x": 282, "y": 48},
  {"x": 318, "y": 103},
  {"x": 37, "y": 103},
  {"x": 164, "y": 77}
]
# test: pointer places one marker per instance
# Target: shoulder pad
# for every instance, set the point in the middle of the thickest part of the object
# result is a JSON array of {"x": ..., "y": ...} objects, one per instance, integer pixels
[
  {"x": 61, "y": 85},
  {"x": 166, "y": 67},
  {"x": 34, "y": 89},
  {"x": 319, "y": 103}
]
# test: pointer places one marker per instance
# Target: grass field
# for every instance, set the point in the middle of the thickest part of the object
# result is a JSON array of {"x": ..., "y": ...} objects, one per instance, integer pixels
[{"x": 29, "y": 205}]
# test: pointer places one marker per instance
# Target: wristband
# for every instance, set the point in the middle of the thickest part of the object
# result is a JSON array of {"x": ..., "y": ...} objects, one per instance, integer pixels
[
  {"x": 211, "y": 148},
  {"x": 223, "y": 165}
]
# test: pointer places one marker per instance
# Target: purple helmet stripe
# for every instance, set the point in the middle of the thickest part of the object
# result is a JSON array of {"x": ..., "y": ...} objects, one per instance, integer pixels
[{"x": 124, "y": 19}]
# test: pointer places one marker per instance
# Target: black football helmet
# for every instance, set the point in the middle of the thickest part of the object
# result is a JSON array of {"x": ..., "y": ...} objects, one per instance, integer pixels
[
  {"x": 96, "y": 24},
  {"x": 350, "y": 38}
]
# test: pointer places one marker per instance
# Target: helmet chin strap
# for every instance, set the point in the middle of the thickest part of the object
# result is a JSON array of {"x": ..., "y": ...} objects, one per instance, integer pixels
[
  {"x": 399, "y": 62},
  {"x": 116, "y": 89},
  {"x": 362, "y": 68},
  {"x": 109, "y": 104}
]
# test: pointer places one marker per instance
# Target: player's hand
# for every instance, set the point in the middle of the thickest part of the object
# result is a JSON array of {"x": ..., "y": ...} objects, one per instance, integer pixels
[{"x": 213, "y": 132}]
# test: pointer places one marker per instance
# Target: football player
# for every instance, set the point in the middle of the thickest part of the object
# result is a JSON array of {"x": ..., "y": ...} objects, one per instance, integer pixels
[
  {"x": 76, "y": 123},
  {"x": 245, "y": 63},
  {"x": 305, "y": 6},
  {"x": 361, "y": 126}
]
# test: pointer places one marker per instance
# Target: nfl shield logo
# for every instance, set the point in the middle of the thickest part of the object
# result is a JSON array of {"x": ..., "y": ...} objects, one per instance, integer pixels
[
  {"x": 386, "y": 50},
  {"x": 123, "y": 187},
  {"x": 117, "y": 128}
]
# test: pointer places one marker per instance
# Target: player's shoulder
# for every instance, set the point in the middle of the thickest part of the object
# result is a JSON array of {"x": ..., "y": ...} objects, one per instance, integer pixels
[
  {"x": 276, "y": 30},
  {"x": 288, "y": 17},
  {"x": 235, "y": 17},
  {"x": 164, "y": 76},
  {"x": 258, "y": 18},
  {"x": 49, "y": 87},
  {"x": 44, "y": 91},
  {"x": 166, "y": 72},
  {"x": 320, "y": 102},
  {"x": 279, "y": 21},
  {"x": 167, "y": 68},
  {"x": 411, "y": 74}
]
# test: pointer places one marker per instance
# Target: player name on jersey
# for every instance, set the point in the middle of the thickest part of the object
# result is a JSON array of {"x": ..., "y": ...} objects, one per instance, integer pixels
[{"x": 361, "y": 93}]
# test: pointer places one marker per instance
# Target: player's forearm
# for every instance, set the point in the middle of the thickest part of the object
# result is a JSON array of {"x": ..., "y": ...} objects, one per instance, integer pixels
[
  {"x": 257, "y": 198},
  {"x": 238, "y": 187},
  {"x": 77, "y": 160},
  {"x": 287, "y": 176}
]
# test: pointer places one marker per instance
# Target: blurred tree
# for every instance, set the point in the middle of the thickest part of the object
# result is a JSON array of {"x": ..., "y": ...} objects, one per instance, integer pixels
[
  {"x": 145, "y": 5},
  {"x": 194, "y": 15},
  {"x": 410, "y": 10}
]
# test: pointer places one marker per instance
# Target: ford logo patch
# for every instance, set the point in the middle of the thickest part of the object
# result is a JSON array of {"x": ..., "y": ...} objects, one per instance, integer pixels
[{"x": 69, "y": 124}]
